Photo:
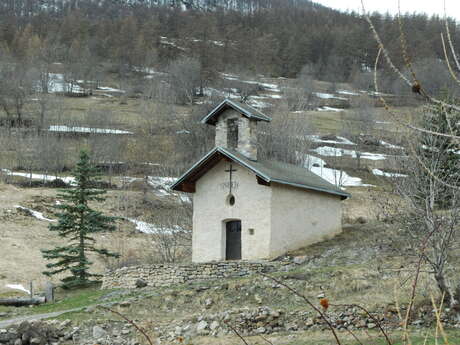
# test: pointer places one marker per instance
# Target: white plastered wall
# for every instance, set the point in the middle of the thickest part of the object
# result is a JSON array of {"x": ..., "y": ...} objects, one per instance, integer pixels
[
  {"x": 300, "y": 218},
  {"x": 252, "y": 206}
]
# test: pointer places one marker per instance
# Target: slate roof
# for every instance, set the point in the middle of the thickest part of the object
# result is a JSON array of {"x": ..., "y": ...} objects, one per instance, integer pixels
[
  {"x": 268, "y": 171},
  {"x": 245, "y": 109}
]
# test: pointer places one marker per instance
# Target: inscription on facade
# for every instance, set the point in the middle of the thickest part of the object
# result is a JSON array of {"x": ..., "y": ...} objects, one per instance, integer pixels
[{"x": 227, "y": 185}]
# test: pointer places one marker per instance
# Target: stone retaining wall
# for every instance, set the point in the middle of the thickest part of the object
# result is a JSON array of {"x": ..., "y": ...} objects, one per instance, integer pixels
[{"x": 169, "y": 274}]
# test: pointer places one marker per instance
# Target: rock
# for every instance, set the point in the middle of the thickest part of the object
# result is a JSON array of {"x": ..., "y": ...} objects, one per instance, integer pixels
[
  {"x": 299, "y": 260},
  {"x": 5, "y": 337},
  {"x": 98, "y": 332},
  {"x": 275, "y": 314},
  {"x": 361, "y": 220},
  {"x": 125, "y": 331},
  {"x": 125, "y": 304},
  {"x": 214, "y": 325},
  {"x": 371, "y": 325},
  {"x": 18, "y": 342},
  {"x": 201, "y": 328},
  {"x": 64, "y": 324},
  {"x": 361, "y": 324},
  {"x": 261, "y": 330},
  {"x": 208, "y": 302},
  {"x": 258, "y": 299},
  {"x": 140, "y": 283},
  {"x": 90, "y": 309},
  {"x": 35, "y": 341}
]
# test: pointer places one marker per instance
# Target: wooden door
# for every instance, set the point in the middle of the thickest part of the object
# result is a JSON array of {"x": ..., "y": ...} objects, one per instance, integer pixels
[{"x": 233, "y": 240}]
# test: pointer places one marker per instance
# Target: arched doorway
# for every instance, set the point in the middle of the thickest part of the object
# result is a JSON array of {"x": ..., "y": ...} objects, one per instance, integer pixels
[{"x": 233, "y": 240}]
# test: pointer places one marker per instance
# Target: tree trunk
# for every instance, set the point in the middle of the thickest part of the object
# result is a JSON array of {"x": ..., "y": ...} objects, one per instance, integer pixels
[{"x": 444, "y": 288}]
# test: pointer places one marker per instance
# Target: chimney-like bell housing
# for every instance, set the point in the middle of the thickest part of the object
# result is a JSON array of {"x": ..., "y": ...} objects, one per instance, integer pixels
[{"x": 236, "y": 127}]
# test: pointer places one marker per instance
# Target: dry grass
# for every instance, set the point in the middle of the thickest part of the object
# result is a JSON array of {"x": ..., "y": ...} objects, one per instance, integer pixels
[{"x": 23, "y": 236}]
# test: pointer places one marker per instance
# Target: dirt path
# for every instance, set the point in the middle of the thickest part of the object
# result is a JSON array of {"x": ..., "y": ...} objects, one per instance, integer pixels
[{"x": 9, "y": 322}]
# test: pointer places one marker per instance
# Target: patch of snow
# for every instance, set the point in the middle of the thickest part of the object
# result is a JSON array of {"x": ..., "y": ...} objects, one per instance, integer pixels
[
  {"x": 209, "y": 91},
  {"x": 110, "y": 89},
  {"x": 164, "y": 40},
  {"x": 379, "y": 172},
  {"x": 106, "y": 95},
  {"x": 373, "y": 93},
  {"x": 391, "y": 146},
  {"x": 383, "y": 122},
  {"x": 258, "y": 104},
  {"x": 217, "y": 43},
  {"x": 161, "y": 184},
  {"x": 272, "y": 96},
  {"x": 17, "y": 287},
  {"x": 329, "y": 109},
  {"x": 340, "y": 140},
  {"x": 328, "y": 96},
  {"x": 346, "y": 92},
  {"x": 150, "y": 229},
  {"x": 58, "y": 84},
  {"x": 268, "y": 86},
  {"x": 35, "y": 214},
  {"x": 67, "y": 129},
  {"x": 330, "y": 151},
  {"x": 336, "y": 177},
  {"x": 67, "y": 179},
  {"x": 149, "y": 70}
]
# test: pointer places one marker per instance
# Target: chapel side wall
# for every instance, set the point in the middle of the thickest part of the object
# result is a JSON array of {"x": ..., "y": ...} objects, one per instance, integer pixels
[
  {"x": 252, "y": 207},
  {"x": 301, "y": 217}
]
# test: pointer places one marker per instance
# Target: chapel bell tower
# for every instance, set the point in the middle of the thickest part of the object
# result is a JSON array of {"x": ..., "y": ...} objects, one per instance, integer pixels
[{"x": 236, "y": 125}]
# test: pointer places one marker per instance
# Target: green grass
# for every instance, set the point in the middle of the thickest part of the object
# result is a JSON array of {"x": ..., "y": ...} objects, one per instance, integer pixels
[{"x": 65, "y": 300}]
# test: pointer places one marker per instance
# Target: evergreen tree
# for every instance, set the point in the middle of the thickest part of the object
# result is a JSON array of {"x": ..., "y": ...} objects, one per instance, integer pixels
[{"x": 77, "y": 221}]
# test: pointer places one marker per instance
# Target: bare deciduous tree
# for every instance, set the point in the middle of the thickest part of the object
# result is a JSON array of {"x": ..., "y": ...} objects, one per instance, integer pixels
[
  {"x": 184, "y": 79},
  {"x": 428, "y": 211},
  {"x": 286, "y": 138}
]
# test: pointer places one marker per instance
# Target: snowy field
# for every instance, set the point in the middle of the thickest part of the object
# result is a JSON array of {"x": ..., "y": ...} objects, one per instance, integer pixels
[
  {"x": 49, "y": 178},
  {"x": 74, "y": 129},
  {"x": 336, "y": 177},
  {"x": 340, "y": 140},
  {"x": 152, "y": 229},
  {"x": 378, "y": 172},
  {"x": 329, "y": 151}
]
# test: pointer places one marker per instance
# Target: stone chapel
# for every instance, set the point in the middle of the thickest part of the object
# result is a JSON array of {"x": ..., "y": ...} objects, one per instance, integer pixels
[{"x": 245, "y": 208}]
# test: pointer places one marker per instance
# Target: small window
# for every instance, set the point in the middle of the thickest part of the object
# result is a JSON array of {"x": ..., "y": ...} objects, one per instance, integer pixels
[
  {"x": 231, "y": 200},
  {"x": 232, "y": 133},
  {"x": 251, "y": 231}
]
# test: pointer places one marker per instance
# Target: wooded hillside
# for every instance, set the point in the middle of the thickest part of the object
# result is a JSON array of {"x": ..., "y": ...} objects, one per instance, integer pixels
[{"x": 271, "y": 37}]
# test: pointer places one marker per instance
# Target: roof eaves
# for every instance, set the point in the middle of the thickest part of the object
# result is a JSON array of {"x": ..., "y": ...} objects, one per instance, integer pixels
[
  {"x": 193, "y": 167},
  {"x": 250, "y": 114},
  {"x": 212, "y": 112},
  {"x": 318, "y": 189}
]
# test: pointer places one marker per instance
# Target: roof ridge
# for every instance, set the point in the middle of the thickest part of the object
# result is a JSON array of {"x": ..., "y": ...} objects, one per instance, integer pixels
[{"x": 244, "y": 108}]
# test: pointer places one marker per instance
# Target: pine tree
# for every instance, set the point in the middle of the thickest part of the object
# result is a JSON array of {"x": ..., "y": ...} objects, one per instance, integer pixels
[{"x": 77, "y": 221}]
